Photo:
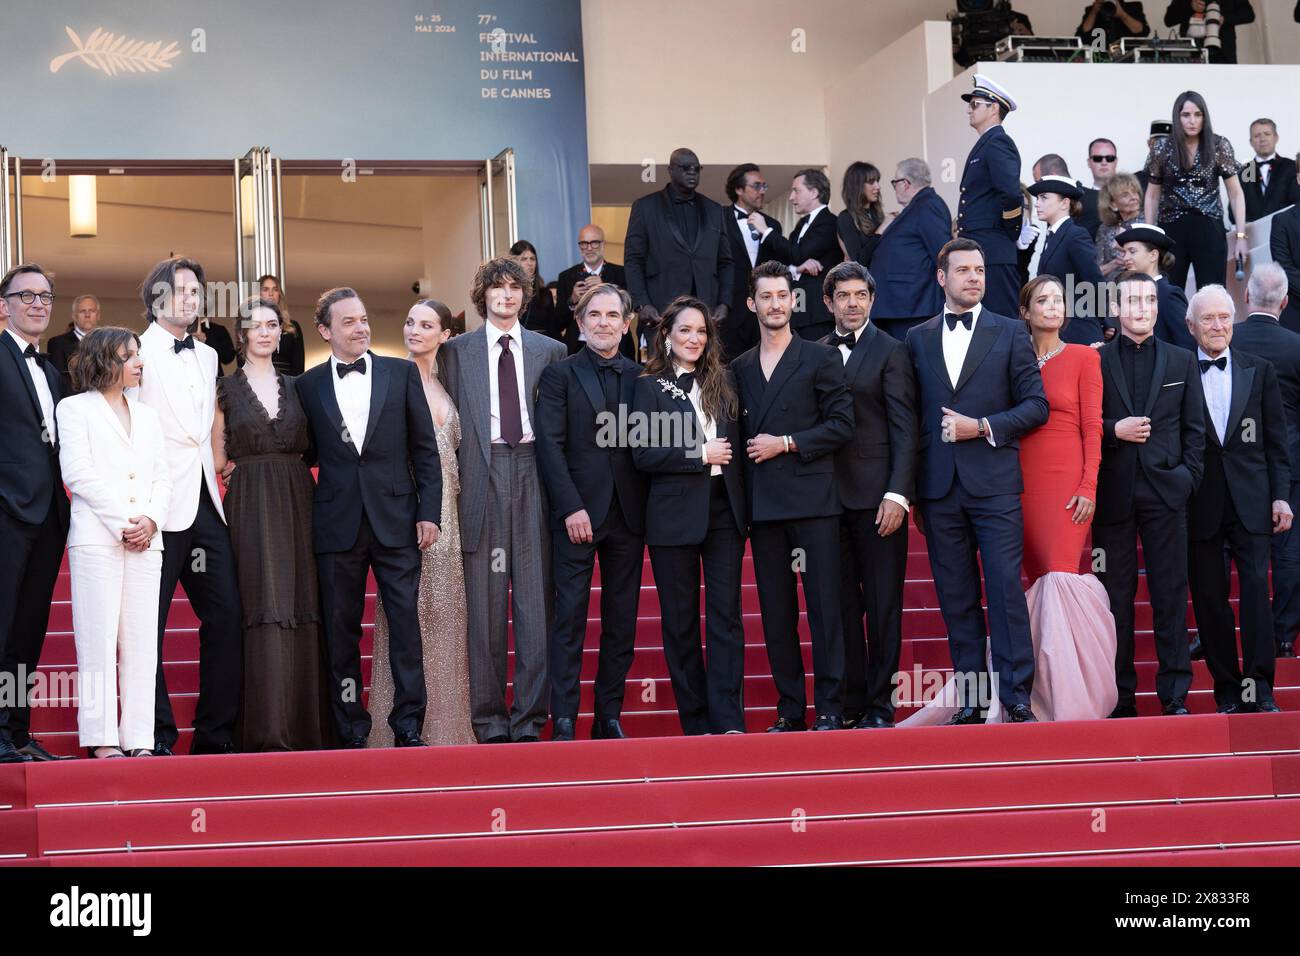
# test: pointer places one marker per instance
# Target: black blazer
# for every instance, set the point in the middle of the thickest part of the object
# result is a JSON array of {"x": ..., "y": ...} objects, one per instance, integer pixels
[
  {"x": 659, "y": 263},
  {"x": 677, "y": 509},
  {"x": 395, "y": 478},
  {"x": 1173, "y": 457},
  {"x": 820, "y": 242},
  {"x": 1171, "y": 318},
  {"x": 1089, "y": 220},
  {"x": 859, "y": 246},
  {"x": 564, "y": 284},
  {"x": 1251, "y": 467},
  {"x": 739, "y": 332},
  {"x": 1070, "y": 252},
  {"x": 579, "y": 466},
  {"x": 1284, "y": 243},
  {"x": 61, "y": 348},
  {"x": 882, "y": 455},
  {"x": 29, "y": 462},
  {"x": 807, "y": 399},
  {"x": 1262, "y": 336},
  {"x": 1282, "y": 191}
]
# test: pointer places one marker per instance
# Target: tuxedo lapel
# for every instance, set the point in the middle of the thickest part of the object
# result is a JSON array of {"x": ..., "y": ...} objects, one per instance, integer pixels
[
  {"x": 934, "y": 353},
  {"x": 378, "y": 392},
  {"x": 589, "y": 378},
  {"x": 330, "y": 403},
  {"x": 1110, "y": 359},
  {"x": 980, "y": 342},
  {"x": 1157, "y": 376},
  {"x": 533, "y": 364},
  {"x": 1243, "y": 379},
  {"x": 670, "y": 219},
  {"x": 866, "y": 341},
  {"x": 478, "y": 382},
  {"x": 23, "y": 375},
  {"x": 785, "y": 367}
]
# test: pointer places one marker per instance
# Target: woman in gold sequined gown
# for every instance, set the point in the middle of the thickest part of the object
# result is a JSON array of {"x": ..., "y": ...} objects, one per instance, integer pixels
[{"x": 442, "y": 573}]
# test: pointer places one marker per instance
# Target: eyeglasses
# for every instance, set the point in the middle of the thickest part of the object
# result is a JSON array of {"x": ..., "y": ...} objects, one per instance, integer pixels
[
  {"x": 895, "y": 182},
  {"x": 1103, "y": 159},
  {"x": 757, "y": 187},
  {"x": 28, "y": 297},
  {"x": 686, "y": 169},
  {"x": 590, "y": 243}
]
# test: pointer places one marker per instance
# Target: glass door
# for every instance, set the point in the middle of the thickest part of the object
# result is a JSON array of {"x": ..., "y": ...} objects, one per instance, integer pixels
[
  {"x": 11, "y": 210},
  {"x": 259, "y": 219},
  {"x": 498, "y": 213}
]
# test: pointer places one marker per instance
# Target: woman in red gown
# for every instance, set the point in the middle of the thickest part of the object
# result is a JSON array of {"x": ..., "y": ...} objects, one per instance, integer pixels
[{"x": 1069, "y": 614}]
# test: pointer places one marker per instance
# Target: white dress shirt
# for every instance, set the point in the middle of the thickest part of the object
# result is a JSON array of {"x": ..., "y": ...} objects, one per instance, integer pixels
[
  {"x": 494, "y": 335},
  {"x": 844, "y": 354},
  {"x": 751, "y": 244},
  {"x": 1217, "y": 385},
  {"x": 40, "y": 383},
  {"x": 794, "y": 271},
  {"x": 1265, "y": 172},
  {"x": 956, "y": 343},
  {"x": 707, "y": 425},
  {"x": 78, "y": 333},
  {"x": 352, "y": 392}
]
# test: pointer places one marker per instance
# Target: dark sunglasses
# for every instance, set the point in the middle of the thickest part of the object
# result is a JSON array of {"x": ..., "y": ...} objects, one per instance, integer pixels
[{"x": 1104, "y": 159}]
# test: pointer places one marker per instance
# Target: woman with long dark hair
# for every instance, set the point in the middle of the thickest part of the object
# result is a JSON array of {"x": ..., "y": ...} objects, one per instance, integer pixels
[
  {"x": 695, "y": 516},
  {"x": 1182, "y": 197},
  {"x": 538, "y": 313},
  {"x": 862, "y": 221}
]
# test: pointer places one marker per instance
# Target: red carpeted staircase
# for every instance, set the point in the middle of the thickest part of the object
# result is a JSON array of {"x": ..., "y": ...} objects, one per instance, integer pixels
[{"x": 1206, "y": 789}]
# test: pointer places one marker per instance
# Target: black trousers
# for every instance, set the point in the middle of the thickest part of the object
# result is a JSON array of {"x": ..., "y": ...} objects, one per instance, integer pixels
[
  {"x": 1164, "y": 542},
  {"x": 343, "y": 599},
  {"x": 1201, "y": 244},
  {"x": 1251, "y": 680},
  {"x": 30, "y": 557},
  {"x": 808, "y": 548},
  {"x": 201, "y": 559},
  {"x": 621, "y": 553},
  {"x": 1286, "y": 576},
  {"x": 709, "y": 700},
  {"x": 872, "y": 570}
]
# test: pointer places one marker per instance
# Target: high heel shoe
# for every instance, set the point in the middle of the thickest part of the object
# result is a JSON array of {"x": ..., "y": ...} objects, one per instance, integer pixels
[
  {"x": 94, "y": 752},
  {"x": 140, "y": 752}
]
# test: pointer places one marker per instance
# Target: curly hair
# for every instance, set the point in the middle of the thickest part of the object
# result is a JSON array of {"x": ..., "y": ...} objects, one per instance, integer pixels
[{"x": 495, "y": 272}]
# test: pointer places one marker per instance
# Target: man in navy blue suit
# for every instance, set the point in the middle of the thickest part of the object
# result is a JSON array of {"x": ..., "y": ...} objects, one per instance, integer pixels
[
  {"x": 980, "y": 390},
  {"x": 991, "y": 206},
  {"x": 905, "y": 260}
]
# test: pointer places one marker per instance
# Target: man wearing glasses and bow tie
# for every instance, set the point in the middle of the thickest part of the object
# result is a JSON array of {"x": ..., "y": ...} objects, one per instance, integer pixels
[
  {"x": 180, "y": 385},
  {"x": 980, "y": 390}
]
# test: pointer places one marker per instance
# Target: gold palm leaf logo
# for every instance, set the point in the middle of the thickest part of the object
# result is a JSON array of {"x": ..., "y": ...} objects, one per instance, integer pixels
[{"x": 113, "y": 54}]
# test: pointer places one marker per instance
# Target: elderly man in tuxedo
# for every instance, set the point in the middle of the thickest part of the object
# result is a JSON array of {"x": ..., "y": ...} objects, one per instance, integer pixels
[
  {"x": 979, "y": 391},
  {"x": 904, "y": 261},
  {"x": 1263, "y": 336},
  {"x": 33, "y": 507},
  {"x": 378, "y": 504},
  {"x": 492, "y": 375},
  {"x": 181, "y": 387},
  {"x": 1240, "y": 503},
  {"x": 1152, "y": 457}
]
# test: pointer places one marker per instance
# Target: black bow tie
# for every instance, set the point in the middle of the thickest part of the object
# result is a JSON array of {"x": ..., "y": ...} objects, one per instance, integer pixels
[
  {"x": 952, "y": 318},
  {"x": 31, "y": 353},
  {"x": 1221, "y": 363},
  {"x": 686, "y": 381},
  {"x": 740, "y": 213},
  {"x": 186, "y": 343},
  {"x": 344, "y": 367},
  {"x": 615, "y": 364},
  {"x": 1265, "y": 162},
  {"x": 848, "y": 340}
]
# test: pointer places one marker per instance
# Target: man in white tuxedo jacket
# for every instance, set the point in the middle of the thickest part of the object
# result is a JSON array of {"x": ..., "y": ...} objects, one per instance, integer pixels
[{"x": 179, "y": 383}]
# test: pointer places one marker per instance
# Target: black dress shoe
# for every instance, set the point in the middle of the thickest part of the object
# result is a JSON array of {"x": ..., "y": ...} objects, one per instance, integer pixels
[
  {"x": 526, "y": 739},
  {"x": 1286, "y": 649},
  {"x": 11, "y": 754},
  {"x": 1196, "y": 649},
  {"x": 1268, "y": 707},
  {"x": 784, "y": 726},
  {"x": 562, "y": 728},
  {"x": 1232, "y": 709},
  {"x": 222, "y": 748},
  {"x": 828, "y": 722},
  {"x": 163, "y": 750},
  {"x": 1174, "y": 707},
  {"x": 354, "y": 743},
  {"x": 607, "y": 729},
  {"x": 854, "y": 717},
  {"x": 408, "y": 738},
  {"x": 1124, "y": 710},
  {"x": 873, "y": 722},
  {"x": 1021, "y": 714},
  {"x": 498, "y": 739},
  {"x": 965, "y": 715},
  {"x": 34, "y": 750}
]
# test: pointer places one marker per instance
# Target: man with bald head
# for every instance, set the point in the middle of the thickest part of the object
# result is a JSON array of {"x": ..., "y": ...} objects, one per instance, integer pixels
[
  {"x": 1240, "y": 503},
  {"x": 574, "y": 282}
]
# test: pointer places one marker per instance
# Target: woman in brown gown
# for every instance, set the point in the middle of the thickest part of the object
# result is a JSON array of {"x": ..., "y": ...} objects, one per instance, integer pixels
[
  {"x": 258, "y": 439},
  {"x": 442, "y": 571}
]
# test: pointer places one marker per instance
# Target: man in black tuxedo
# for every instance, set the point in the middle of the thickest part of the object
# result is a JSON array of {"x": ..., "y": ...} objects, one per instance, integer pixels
[
  {"x": 1262, "y": 336},
  {"x": 795, "y": 412},
  {"x": 676, "y": 245},
  {"x": 1247, "y": 467},
  {"x": 1152, "y": 458},
  {"x": 750, "y": 231},
  {"x": 33, "y": 506},
  {"x": 810, "y": 252},
  {"x": 979, "y": 391},
  {"x": 876, "y": 477},
  {"x": 61, "y": 348},
  {"x": 574, "y": 282},
  {"x": 1284, "y": 244},
  {"x": 597, "y": 502},
  {"x": 378, "y": 505},
  {"x": 1268, "y": 180}
]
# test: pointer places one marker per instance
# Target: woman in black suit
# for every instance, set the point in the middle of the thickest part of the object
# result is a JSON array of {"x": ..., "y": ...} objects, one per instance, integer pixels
[
  {"x": 696, "y": 513},
  {"x": 539, "y": 312},
  {"x": 860, "y": 224}
]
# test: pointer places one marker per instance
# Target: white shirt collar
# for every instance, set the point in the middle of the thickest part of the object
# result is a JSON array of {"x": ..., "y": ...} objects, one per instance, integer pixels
[
  {"x": 1266, "y": 159},
  {"x": 813, "y": 215},
  {"x": 857, "y": 333},
  {"x": 335, "y": 363},
  {"x": 587, "y": 269},
  {"x": 1056, "y": 226},
  {"x": 22, "y": 342},
  {"x": 78, "y": 333},
  {"x": 494, "y": 334}
]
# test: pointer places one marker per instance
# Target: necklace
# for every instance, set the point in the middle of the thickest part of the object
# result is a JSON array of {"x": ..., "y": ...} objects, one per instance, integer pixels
[{"x": 1043, "y": 359}]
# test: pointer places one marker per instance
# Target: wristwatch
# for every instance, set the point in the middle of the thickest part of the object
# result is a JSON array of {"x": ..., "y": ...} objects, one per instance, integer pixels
[
  {"x": 981, "y": 424},
  {"x": 1241, "y": 235}
]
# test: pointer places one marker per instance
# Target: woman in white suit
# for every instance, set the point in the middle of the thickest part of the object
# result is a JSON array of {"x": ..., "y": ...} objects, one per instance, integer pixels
[{"x": 111, "y": 451}]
